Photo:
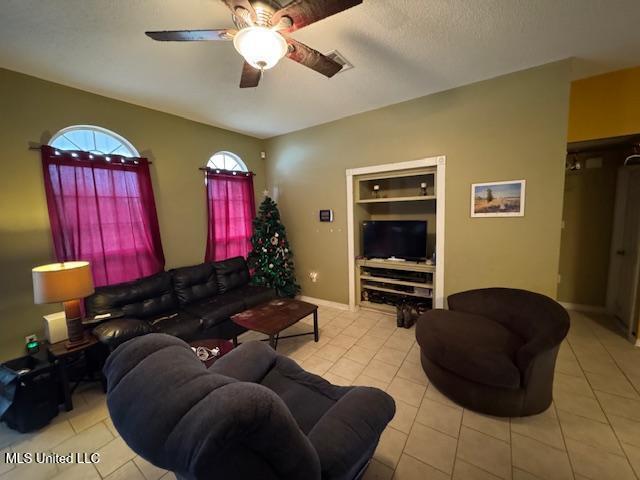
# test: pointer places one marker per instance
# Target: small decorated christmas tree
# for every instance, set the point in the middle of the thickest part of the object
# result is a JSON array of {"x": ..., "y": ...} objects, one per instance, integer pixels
[{"x": 271, "y": 259}]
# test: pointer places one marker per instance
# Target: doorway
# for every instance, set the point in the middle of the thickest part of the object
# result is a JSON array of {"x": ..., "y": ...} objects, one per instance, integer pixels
[
  {"x": 624, "y": 272},
  {"x": 599, "y": 269}
]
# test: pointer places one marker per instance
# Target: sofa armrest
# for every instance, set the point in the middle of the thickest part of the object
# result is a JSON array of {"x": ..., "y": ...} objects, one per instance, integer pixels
[
  {"x": 348, "y": 433},
  {"x": 114, "y": 332},
  {"x": 249, "y": 362}
]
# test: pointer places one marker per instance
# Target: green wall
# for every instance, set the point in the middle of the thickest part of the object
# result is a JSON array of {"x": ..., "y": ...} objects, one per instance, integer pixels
[
  {"x": 32, "y": 110},
  {"x": 508, "y": 128}
]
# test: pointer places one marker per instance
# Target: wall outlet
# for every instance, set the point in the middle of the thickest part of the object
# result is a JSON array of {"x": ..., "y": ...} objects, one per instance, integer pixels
[
  {"x": 30, "y": 338},
  {"x": 559, "y": 278},
  {"x": 313, "y": 276}
]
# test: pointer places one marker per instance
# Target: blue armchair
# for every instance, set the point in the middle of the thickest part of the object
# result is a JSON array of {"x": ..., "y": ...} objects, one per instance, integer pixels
[{"x": 253, "y": 414}]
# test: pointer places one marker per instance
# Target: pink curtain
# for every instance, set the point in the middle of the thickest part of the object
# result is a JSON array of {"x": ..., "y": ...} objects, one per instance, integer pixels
[
  {"x": 231, "y": 208},
  {"x": 102, "y": 210}
]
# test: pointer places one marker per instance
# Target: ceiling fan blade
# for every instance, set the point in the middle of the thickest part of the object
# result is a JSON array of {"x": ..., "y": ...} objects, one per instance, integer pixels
[
  {"x": 305, "y": 12},
  {"x": 307, "y": 56},
  {"x": 192, "y": 35},
  {"x": 244, "y": 4},
  {"x": 250, "y": 76}
]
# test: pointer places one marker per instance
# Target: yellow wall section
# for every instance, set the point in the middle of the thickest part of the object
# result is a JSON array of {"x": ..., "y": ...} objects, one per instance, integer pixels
[
  {"x": 508, "y": 128},
  {"x": 605, "y": 106},
  {"x": 31, "y": 110}
]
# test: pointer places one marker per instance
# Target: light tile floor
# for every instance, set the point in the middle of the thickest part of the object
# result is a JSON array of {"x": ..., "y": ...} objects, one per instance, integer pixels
[{"x": 592, "y": 431}]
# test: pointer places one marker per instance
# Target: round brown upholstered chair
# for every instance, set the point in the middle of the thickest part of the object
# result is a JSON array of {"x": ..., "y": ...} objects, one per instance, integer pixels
[{"x": 494, "y": 351}]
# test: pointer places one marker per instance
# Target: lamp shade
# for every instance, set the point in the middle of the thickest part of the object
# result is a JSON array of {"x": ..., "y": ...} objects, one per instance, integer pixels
[{"x": 60, "y": 282}]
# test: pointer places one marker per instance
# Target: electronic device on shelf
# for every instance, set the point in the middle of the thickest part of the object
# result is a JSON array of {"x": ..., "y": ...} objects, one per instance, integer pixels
[
  {"x": 420, "y": 277},
  {"x": 398, "y": 288},
  {"x": 393, "y": 299},
  {"x": 397, "y": 239}
]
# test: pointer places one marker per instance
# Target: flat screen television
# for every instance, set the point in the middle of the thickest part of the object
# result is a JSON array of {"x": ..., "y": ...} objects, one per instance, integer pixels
[{"x": 406, "y": 239}]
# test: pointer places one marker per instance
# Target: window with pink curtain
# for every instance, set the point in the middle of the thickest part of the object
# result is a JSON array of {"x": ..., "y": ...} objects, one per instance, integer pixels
[
  {"x": 102, "y": 210},
  {"x": 231, "y": 207}
]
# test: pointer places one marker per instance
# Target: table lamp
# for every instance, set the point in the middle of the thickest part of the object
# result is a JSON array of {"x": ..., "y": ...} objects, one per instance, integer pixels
[{"x": 66, "y": 282}]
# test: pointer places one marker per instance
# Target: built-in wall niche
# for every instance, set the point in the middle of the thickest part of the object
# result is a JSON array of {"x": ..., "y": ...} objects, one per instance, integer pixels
[
  {"x": 401, "y": 191},
  {"x": 397, "y": 187}
]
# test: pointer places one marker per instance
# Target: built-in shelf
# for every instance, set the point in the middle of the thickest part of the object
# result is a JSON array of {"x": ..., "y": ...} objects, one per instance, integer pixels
[
  {"x": 380, "y": 307},
  {"x": 397, "y": 265},
  {"x": 407, "y": 194},
  {"x": 397, "y": 292},
  {"x": 395, "y": 282},
  {"x": 397, "y": 187},
  {"x": 418, "y": 198},
  {"x": 398, "y": 191}
]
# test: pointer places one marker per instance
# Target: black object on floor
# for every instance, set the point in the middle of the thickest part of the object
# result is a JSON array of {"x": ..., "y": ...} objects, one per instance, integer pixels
[{"x": 29, "y": 385}]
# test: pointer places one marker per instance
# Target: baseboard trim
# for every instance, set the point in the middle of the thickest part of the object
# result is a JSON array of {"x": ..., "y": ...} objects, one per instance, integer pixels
[
  {"x": 584, "y": 308},
  {"x": 324, "y": 303}
]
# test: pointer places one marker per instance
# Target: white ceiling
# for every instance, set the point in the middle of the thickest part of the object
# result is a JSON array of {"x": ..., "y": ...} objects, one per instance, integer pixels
[{"x": 401, "y": 49}]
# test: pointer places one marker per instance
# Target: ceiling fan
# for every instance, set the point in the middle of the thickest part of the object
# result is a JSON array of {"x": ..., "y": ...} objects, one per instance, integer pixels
[{"x": 261, "y": 36}]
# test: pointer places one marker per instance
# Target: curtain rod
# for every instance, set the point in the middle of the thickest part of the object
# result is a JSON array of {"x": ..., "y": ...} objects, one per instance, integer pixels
[
  {"x": 38, "y": 148},
  {"x": 227, "y": 172}
]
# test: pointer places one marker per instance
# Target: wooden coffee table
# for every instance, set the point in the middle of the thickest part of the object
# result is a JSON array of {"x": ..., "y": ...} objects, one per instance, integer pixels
[{"x": 273, "y": 317}]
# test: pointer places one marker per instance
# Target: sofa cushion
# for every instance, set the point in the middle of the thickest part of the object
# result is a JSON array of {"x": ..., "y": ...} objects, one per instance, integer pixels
[
  {"x": 254, "y": 295},
  {"x": 216, "y": 309},
  {"x": 530, "y": 315},
  {"x": 144, "y": 298},
  {"x": 307, "y": 396},
  {"x": 540, "y": 321},
  {"x": 231, "y": 273},
  {"x": 194, "y": 283},
  {"x": 472, "y": 346},
  {"x": 179, "y": 324},
  {"x": 114, "y": 332}
]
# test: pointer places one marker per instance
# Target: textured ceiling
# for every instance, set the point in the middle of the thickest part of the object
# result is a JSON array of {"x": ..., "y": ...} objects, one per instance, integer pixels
[{"x": 401, "y": 49}]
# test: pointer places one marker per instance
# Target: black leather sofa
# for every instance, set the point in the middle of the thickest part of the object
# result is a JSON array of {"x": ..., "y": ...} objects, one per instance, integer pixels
[{"x": 191, "y": 303}]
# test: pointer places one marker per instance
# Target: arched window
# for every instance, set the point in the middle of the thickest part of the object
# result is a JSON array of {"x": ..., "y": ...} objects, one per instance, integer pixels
[
  {"x": 93, "y": 139},
  {"x": 227, "y": 161},
  {"x": 101, "y": 211},
  {"x": 231, "y": 207}
]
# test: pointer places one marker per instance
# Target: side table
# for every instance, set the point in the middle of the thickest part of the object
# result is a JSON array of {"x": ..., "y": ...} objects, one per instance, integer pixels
[{"x": 62, "y": 357}]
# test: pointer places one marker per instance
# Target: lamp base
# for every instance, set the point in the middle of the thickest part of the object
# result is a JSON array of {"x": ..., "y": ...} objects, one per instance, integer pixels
[{"x": 75, "y": 329}]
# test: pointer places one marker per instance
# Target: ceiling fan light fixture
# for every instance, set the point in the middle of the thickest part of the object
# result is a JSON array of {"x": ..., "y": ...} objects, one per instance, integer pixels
[{"x": 261, "y": 47}]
